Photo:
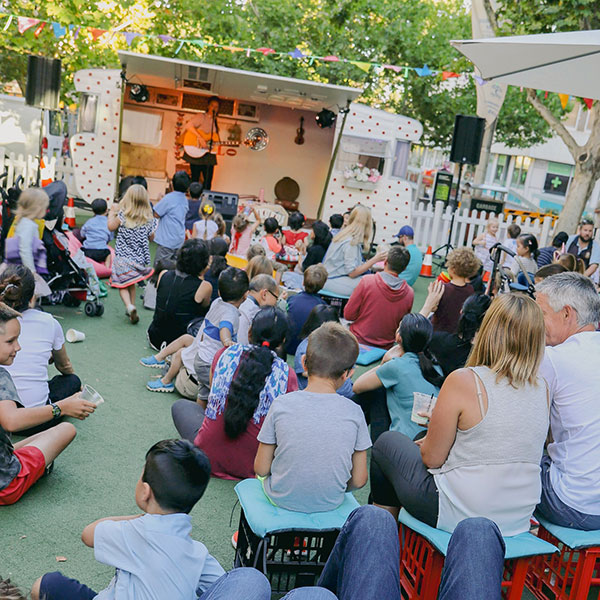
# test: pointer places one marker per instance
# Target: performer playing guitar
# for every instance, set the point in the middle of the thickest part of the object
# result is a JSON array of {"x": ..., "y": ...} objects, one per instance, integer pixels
[{"x": 202, "y": 131}]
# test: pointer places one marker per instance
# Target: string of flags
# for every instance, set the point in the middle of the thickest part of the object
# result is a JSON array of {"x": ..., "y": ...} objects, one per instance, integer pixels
[{"x": 25, "y": 24}]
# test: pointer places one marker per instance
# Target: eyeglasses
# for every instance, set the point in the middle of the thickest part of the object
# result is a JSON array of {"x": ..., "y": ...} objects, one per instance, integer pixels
[{"x": 274, "y": 295}]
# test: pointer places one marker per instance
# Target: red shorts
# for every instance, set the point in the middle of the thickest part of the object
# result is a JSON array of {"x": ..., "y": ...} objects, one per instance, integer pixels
[{"x": 33, "y": 465}]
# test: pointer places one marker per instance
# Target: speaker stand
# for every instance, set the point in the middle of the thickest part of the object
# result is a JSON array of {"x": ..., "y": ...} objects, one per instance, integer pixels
[
  {"x": 447, "y": 247},
  {"x": 38, "y": 177}
]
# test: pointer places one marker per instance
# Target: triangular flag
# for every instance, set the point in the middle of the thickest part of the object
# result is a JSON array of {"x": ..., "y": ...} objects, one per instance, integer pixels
[
  {"x": 266, "y": 51},
  {"x": 394, "y": 68},
  {"x": 130, "y": 36},
  {"x": 564, "y": 100},
  {"x": 233, "y": 48},
  {"x": 296, "y": 53},
  {"x": 365, "y": 66},
  {"x": 479, "y": 80},
  {"x": 96, "y": 33},
  {"x": 165, "y": 39},
  {"x": 424, "y": 71},
  {"x": 24, "y": 23},
  {"x": 588, "y": 102},
  {"x": 545, "y": 95},
  {"x": 331, "y": 58},
  {"x": 39, "y": 29},
  {"x": 448, "y": 74},
  {"x": 59, "y": 30}
]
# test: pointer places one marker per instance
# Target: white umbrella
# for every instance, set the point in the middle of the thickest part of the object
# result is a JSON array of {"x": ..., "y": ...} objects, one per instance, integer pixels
[{"x": 567, "y": 63}]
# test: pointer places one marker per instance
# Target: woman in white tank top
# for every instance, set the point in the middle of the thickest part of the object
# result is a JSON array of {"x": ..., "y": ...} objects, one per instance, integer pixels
[{"x": 481, "y": 455}]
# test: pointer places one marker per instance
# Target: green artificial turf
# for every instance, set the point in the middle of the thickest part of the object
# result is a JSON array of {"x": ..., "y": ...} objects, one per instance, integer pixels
[{"x": 96, "y": 476}]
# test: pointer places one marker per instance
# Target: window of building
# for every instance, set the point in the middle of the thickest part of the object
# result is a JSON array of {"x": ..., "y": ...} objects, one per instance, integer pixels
[
  {"x": 558, "y": 177},
  {"x": 501, "y": 169},
  {"x": 520, "y": 170},
  {"x": 366, "y": 151},
  {"x": 401, "y": 159},
  {"x": 141, "y": 127}
]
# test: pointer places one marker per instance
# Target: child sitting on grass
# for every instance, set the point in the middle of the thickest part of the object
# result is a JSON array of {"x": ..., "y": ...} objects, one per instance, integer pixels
[
  {"x": 313, "y": 443},
  {"x": 194, "y": 356},
  {"x": 153, "y": 553},
  {"x": 462, "y": 265},
  {"x": 24, "y": 463}
]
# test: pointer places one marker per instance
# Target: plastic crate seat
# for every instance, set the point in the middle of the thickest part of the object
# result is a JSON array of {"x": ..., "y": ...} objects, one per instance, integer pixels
[
  {"x": 423, "y": 550},
  {"x": 289, "y": 547},
  {"x": 572, "y": 573}
]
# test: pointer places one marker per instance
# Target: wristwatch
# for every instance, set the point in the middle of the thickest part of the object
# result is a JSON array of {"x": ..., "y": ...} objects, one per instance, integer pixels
[{"x": 56, "y": 412}]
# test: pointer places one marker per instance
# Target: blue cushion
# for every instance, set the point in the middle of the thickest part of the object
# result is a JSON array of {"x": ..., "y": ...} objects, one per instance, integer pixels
[
  {"x": 263, "y": 517},
  {"x": 574, "y": 538},
  {"x": 524, "y": 544},
  {"x": 368, "y": 354},
  {"x": 333, "y": 295}
]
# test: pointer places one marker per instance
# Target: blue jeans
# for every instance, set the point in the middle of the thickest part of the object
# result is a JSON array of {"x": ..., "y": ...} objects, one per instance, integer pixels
[
  {"x": 474, "y": 562},
  {"x": 551, "y": 507}
]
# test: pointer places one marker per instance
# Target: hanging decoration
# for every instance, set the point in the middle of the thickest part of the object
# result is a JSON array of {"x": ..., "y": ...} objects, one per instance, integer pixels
[{"x": 24, "y": 24}]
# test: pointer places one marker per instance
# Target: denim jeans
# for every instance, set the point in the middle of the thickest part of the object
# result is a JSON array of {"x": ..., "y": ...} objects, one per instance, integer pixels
[
  {"x": 551, "y": 507},
  {"x": 474, "y": 562}
]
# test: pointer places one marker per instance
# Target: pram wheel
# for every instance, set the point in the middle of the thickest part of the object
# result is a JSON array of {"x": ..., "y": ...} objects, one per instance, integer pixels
[
  {"x": 71, "y": 301},
  {"x": 99, "y": 309},
  {"x": 90, "y": 309}
]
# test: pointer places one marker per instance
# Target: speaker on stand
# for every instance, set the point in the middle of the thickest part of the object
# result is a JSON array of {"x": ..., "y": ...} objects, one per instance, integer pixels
[
  {"x": 465, "y": 150},
  {"x": 43, "y": 90}
]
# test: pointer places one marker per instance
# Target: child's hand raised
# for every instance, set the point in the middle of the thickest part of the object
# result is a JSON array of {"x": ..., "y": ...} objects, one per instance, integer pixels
[{"x": 75, "y": 407}]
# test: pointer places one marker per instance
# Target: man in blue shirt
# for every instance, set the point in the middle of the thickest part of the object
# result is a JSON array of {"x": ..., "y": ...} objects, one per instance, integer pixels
[
  {"x": 171, "y": 211},
  {"x": 406, "y": 238}
]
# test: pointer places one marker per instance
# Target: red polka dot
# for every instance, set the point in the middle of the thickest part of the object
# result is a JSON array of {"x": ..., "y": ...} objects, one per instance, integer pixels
[
  {"x": 332, "y": 193},
  {"x": 377, "y": 124},
  {"x": 353, "y": 114},
  {"x": 349, "y": 195},
  {"x": 362, "y": 120},
  {"x": 335, "y": 178},
  {"x": 407, "y": 135},
  {"x": 351, "y": 126},
  {"x": 406, "y": 203},
  {"x": 370, "y": 117},
  {"x": 408, "y": 122},
  {"x": 369, "y": 130},
  {"x": 416, "y": 131},
  {"x": 406, "y": 189},
  {"x": 383, "y": 133}
]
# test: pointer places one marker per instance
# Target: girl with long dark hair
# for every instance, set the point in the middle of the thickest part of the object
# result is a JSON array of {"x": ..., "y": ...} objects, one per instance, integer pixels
[
  {"x": 410, "y": 369},
  {"x": 246, "y": 380}
]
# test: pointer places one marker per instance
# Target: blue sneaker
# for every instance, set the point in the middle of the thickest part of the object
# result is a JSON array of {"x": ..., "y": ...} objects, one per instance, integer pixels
[
  {"x": 156, "y": 385},
  {"x": 150, "y": 361}
]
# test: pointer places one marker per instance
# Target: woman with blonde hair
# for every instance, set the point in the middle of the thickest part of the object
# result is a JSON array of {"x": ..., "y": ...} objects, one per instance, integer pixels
[
  {"x": 134, "y": 220},
  {"x": 481, "y": 455},
  {"x": 344, "y": 257}
]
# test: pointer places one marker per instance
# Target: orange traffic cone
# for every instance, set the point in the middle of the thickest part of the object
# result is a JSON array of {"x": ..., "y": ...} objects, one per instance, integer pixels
[
  {"x": 427, "y": 262},
  {"x": 70, "y": 214},
  {"x": 45, "y": 173}
]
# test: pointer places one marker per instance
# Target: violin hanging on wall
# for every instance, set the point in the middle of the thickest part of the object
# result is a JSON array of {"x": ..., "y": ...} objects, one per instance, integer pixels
[{"x": 299, "y": 139}]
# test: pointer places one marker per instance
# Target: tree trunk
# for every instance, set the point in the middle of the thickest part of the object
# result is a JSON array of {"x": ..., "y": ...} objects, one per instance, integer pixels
[
  {"x": 582, "y": 185},
  {"x": 484, "y": 157}
]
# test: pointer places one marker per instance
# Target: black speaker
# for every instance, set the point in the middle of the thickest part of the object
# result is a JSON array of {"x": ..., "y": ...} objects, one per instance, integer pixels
[
  {"x": 466, "y": 140},
  {"x": 43, "y": 82},
  {"x": 226, "y": 204}
]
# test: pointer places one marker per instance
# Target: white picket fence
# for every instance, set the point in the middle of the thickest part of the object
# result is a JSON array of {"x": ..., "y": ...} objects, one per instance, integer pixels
[
  {"x": 432, "y": 225},
  {"x": 27, "y": 166}
]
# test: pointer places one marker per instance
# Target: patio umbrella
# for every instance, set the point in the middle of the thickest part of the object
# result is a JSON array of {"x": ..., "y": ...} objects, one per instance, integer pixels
[{"x": 567, "y": 63}]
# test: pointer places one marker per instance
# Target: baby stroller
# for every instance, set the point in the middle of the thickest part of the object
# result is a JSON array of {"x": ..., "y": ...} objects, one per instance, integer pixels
[{"x": 71, "y": 279}]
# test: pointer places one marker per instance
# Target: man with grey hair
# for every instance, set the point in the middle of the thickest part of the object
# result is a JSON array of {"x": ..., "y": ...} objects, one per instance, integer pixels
[
  {"x": 263, "y": 291},
  {"x": 571, "y": 470}
]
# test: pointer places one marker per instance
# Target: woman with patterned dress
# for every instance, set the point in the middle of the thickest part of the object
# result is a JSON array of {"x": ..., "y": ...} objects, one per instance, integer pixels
[
  {"x": 134, "y": 220},
  {"x": 246, "y": 380}
]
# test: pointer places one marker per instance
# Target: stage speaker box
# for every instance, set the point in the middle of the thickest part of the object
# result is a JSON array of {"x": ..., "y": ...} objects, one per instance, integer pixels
[
  {"x": 43, "y": 82},
  {"x": 226, "y": 204},
  {"x": 466, "y": 140}
]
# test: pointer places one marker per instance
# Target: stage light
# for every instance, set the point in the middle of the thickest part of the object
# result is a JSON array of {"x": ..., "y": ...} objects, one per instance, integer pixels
[
  {"x": 325, "y": 119},
  {"x": 139, "y": 93}
]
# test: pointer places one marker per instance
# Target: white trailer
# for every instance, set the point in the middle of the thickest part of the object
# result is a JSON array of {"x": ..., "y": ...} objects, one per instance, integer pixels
[{"x": 123, "y": 133}]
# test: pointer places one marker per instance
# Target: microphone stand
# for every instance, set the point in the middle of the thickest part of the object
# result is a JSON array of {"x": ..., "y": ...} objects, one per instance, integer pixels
[{"x": 496, "y": 253}]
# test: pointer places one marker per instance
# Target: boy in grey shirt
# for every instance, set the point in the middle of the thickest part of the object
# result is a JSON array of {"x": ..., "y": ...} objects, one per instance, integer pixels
[{"x": 313, "y": 443}]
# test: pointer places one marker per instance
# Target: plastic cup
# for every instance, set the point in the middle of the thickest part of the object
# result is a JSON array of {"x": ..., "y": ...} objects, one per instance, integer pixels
[
  {"x": 91, "y": 395},
  {"x": 73, "y": 336},
  {"x": 422, "y": 403}
]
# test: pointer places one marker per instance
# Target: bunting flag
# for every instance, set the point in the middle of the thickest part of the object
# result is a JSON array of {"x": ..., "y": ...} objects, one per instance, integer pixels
[
  {"x": 39, "y": 29},
  {"x": 365, "y": 66},
  {"x": 129, "y": 36},
  {"x": 24, "y": 23},
  {"x": 564, "y": 100},
  {"x": 448, "y": 74},
  {"x": 166, "y": 39},
  {"x": 96, "y": 33},
  {"x": 266, "y": 51},
  {"x": 296, "y": 53},
  {"x": 424, "y": 71},
  {"x": 58, "y": 30},
  {"x": 331, "y": 58},
  {"x": 588, "y": 102}
]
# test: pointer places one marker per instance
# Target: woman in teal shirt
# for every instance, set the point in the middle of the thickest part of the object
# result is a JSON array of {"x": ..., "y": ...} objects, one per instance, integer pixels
[{"x": 405, "y": 369}]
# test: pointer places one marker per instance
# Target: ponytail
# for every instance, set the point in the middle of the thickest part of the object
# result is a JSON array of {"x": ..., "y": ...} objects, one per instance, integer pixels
[
  {"x": 269, "y": 329},
  {"x": 428, "y": 370},
  {"x": 17, "y": 287}
]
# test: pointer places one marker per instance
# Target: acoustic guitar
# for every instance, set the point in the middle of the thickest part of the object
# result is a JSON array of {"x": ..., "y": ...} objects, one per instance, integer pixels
[
  {"x": 192, "y": 147},
  {"x": 300, "y": 133}
]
